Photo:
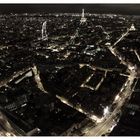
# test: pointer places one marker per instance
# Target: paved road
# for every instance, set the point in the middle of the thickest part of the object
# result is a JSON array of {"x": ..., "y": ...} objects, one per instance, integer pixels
[
  {"x": 4, "y": 82},
  {"x": 103, "y": 127},
  {"x": 127, "y": 89}
]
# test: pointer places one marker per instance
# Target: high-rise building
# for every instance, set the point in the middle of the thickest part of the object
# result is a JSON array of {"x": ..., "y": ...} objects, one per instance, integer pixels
[
  {"x": 83, "y": 19},
  {"x": 72, "y": 40},
  {"x": 44, "y": 31}
]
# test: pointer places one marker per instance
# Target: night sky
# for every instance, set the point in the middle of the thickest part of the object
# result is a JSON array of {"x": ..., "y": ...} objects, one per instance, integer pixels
[{"x": 133, "y": 9}]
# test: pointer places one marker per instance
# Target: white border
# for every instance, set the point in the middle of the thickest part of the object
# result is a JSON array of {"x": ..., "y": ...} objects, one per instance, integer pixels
[{"x": 71, "y": 1}]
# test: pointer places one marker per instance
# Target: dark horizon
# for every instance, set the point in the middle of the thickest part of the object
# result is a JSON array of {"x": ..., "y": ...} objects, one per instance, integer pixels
[{"x": 130, "y": 9}]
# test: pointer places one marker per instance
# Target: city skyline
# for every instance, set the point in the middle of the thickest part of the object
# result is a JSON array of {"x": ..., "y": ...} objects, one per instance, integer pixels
[
  {"x": 131, "y": 9},
  {"x": 69, "y": 71}
]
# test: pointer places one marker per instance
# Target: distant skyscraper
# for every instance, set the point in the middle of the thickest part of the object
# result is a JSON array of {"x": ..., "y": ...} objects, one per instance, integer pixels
[
  {"x": 83, "y": 19},
  {"x": 44, "y": 31},
  {"x": 72, "y": 40}
]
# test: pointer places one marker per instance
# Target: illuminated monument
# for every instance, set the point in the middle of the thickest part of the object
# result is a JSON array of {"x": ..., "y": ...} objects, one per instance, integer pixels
[
  {"x": 83, "y": 19},
  {"x": 132, "y": 28}
]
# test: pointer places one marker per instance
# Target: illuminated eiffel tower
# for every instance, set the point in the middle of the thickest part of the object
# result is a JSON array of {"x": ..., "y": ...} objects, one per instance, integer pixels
[{"x": 83, "y": 19}]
